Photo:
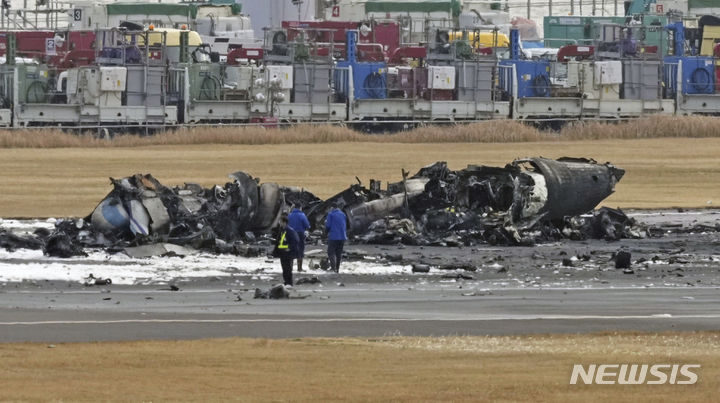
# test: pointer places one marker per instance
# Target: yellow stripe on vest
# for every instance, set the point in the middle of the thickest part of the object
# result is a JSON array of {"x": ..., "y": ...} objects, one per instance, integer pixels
[{"x": 283, "y": 242}]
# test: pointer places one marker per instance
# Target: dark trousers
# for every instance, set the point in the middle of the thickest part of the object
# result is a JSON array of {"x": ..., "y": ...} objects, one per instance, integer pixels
[
  {"x": 335, "y": 250},
  {"x": 286, "y": 263}
]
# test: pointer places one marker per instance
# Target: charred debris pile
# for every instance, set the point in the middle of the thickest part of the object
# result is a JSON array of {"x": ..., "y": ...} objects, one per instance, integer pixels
[{"x": 527, "y": 201}]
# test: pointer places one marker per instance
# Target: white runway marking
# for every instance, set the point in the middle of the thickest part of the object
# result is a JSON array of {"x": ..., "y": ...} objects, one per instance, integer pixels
[{"x": 326, "y": 320}]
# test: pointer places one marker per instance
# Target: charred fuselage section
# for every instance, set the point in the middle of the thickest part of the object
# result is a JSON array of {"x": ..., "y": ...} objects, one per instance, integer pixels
[
  {"x": 524, "y": 202},
  {"x": 527, "y": 201}
]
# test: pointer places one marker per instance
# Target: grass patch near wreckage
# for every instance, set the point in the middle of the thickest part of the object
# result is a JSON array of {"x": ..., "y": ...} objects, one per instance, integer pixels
[
  {"x": 510, "y": 368},
  {"x": 70, "y": 181}
]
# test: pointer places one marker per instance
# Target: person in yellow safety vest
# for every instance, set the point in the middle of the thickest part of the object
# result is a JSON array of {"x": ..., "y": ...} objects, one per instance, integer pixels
[{"x": 286, "y": 248}]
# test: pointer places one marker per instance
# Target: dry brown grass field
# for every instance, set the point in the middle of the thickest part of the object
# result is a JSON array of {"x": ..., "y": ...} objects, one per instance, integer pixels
[
  {"x": 47, "y": 182},
  {"x": 523, "y": 368},
  {"x": 496, "y": 131}
]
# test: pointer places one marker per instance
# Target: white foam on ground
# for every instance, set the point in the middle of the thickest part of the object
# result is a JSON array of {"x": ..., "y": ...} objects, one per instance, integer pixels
[
  {"x": 27, "y": 226},
  {"x": 31, "y": 265}
]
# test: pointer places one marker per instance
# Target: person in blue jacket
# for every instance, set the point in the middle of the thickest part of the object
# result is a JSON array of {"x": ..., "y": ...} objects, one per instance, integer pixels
[
  {"x": 299, "y": 223},
  {"x": 286, "y": 248},
  {"x": 336, "y": 227}
]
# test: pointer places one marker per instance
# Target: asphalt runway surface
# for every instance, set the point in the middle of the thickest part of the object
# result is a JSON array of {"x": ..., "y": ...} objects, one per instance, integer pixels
[
  {"x": 357, "y": 310},
  {"x": 564, "y": 287}
]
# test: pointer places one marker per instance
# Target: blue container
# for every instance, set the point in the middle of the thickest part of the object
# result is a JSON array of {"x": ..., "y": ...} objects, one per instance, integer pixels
[
  {"x": 698, "y": 74},
  {"x": 369, "y": 80},
  {"x": 533, "y": 77}
]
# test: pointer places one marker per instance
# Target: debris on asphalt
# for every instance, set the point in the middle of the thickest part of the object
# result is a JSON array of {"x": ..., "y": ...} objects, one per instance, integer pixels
[
  {"x": 276, "y": 292},
  {"x": 393, "y": 257},
  {"x": 92, "y": 280},
  {"x": 458, "y": 276},
  {"x": 308, "y": 280},
  {"x": 623, "y": 259},
  {"x": 458, "y": 266}
]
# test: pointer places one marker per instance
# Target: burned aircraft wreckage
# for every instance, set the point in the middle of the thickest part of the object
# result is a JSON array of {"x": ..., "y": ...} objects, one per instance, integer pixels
[{"x": 528, "y": 201}]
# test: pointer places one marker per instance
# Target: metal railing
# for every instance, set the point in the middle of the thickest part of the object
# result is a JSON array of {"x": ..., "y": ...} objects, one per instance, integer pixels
[{"x": 46, "y": 15}]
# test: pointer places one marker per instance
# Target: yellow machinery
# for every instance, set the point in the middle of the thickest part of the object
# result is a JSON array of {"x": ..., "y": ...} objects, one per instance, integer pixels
[
  {"x": 711, "y": 37},
  {"x": 172, "y": 37},
  {"x": 482, "y": 39}
]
